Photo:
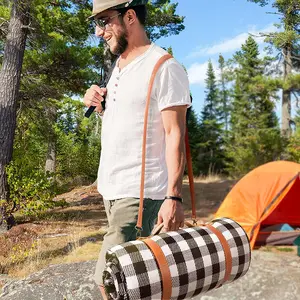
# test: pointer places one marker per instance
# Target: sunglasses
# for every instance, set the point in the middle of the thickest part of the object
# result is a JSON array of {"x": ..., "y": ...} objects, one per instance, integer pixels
[{"x": 102, "y": 23}]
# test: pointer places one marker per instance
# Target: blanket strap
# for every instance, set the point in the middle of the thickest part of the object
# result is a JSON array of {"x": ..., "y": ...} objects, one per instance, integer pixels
[
  {"x": 226, "y": 249},
  {"x": 163, "y": 268},
  {"x": 188, "y": 153}
]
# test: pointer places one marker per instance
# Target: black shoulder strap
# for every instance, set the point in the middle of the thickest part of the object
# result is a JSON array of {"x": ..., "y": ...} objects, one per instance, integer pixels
[
  {"x": 105, "y": 80},
  {"x": 103, "y": 83}
]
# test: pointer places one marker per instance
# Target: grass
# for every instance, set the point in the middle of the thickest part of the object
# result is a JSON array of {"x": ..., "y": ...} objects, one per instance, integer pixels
[
  {"x": 39, "y": 260},
  {"x": 39, "y": 252},
  {"x": 211, "y": 178},
  {"x": 279, "y": 249},
  {"x": 60, "y": 235},
  {"x": 286, "y": 249}
]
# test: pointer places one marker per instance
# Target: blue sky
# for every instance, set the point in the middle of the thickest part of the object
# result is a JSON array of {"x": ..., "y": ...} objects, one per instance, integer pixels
[{"x": 213, "y": 27}]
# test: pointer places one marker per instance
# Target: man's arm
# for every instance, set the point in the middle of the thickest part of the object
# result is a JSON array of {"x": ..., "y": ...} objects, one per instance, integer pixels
[{"x": 171, "y": 212}]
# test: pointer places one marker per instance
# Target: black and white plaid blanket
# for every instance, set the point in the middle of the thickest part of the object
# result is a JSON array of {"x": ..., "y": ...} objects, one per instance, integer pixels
[{"x": 195, "y": 257}]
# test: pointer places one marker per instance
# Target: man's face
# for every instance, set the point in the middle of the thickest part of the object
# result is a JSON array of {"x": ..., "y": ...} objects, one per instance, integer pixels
[{"x": 113, "y": 31}]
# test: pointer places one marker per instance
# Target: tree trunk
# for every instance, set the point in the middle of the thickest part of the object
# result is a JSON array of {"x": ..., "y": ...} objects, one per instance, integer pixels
[
  {"x": 286, "y": 94},
  {"x": 9, "y": 90},
  {"x": 50, "y": 165}
]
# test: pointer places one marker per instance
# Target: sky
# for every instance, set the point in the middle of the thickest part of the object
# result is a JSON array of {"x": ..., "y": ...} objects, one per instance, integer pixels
[{"x": 214, "y": 27}]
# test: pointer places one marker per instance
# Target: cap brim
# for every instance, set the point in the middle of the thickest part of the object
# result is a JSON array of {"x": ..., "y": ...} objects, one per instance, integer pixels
[
  {"x": 91, "y": 17},
  {"x": 108, "y": 4}
]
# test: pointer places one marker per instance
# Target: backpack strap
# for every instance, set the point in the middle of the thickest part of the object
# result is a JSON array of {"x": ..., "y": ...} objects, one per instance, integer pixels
[{"x": 103, "y": 83}]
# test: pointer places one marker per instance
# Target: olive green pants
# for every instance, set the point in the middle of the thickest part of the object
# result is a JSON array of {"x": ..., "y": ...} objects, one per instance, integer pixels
[{"x": 122, "y": 217}]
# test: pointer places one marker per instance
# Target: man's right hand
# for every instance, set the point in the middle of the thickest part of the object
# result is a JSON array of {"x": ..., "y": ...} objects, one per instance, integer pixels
[{"x": 94, "y": 96}]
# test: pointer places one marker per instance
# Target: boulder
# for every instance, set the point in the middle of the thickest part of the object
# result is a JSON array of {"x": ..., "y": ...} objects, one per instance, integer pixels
[
  {"x": 57, "y": 282},
  {"x": 272, "y": 276}
]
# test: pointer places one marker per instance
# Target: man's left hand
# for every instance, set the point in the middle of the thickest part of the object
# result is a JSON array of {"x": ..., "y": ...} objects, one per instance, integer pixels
[{"x": 171, "y": 214}]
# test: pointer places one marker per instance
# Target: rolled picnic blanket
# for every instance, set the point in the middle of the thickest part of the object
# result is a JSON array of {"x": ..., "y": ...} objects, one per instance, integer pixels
[{"x": 195, "y": 260}]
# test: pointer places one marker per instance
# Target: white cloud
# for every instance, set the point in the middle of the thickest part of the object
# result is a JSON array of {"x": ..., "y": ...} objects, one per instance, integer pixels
[
  {"x": 197, "y": 72},
  {"x": 232, "y": 44}
]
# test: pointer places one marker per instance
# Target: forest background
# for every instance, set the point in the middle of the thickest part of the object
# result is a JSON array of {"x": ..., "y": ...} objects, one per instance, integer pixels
[{"x": 49, "y": 57}]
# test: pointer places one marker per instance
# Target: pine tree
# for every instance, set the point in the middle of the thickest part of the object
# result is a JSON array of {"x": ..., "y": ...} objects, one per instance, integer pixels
[
  {"x": 287, "y": 42},
  {"x": 293, "y": 148},
  {"x": 194, "y": 138},
  {"x": 224, "y": 97},
  {"x": 210, "y": 158},
  {"x": 10, "y": 76},
  {"x": 254, "y": 137}
]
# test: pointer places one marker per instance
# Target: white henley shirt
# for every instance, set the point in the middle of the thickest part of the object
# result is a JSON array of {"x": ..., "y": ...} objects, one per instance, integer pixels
[{"x": 119, "y": 171}]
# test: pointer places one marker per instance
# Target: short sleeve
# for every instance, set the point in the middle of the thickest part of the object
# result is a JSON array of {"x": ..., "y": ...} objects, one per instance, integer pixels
[{"x": 172, "y": 86}]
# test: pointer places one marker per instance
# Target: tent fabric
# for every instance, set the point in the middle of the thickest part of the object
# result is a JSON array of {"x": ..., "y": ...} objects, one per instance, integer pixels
[
  {"x": 269, "y": 194},
  {"x": 277, "y": 238},
  {"x": 277, "y": 227}
]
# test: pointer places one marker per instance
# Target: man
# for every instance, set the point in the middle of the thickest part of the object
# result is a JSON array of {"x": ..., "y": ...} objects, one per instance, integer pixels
[{"x": 121, "y": 24}]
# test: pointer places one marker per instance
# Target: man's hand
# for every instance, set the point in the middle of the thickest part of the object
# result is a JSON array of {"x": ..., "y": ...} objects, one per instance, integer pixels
[
  {"x": 171, "y": 214},
  {"x": 94, "y": 96}
]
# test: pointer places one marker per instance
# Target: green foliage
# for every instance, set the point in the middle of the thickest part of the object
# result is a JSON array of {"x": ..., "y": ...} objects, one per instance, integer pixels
[
  {"x": 210, "y": 143},
  {"x": 288, "y": 10},
  {"x": 286, "y": 40},
  {"x": 31, "y": 191},
  {"x": 162, "y": 19},
  {"x": 293, "y": 147},
  {"x": 4, "y": 18},
  {"x": 252, "y": 149},
  {"x": 254, "y": 138},
  {"x": 194, "y": 138},
  {"x": 78, "y": 143}
]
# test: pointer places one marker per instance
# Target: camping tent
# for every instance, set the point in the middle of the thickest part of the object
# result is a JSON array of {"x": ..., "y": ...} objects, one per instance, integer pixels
[{"x": 268, "y": 195}]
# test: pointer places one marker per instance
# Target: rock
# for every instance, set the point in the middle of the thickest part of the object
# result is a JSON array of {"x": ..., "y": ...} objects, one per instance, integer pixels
[
  {"x": 58, "y": 282},
  {"x": 4, "y": 279},
  {"x": 271, "y": 277}
]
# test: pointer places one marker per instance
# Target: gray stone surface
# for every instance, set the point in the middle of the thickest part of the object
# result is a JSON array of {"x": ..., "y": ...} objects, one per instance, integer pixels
[
  {"x": 271, "y": 277},
  {"x": 58, "y": 282}
]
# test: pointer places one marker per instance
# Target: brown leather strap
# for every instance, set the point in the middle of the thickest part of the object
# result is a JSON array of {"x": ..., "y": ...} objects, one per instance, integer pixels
[
  {"x": 188, "y": 151},
  {"x": 163, "y": 268},
  {"x": 142, "y": 186},
  {"x": 226, "y": 248},
  {"x": 190, "y": 174}
]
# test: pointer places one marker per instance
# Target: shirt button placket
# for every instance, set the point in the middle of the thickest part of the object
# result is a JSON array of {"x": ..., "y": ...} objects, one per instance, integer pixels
[{"x": 116, "y": 86}]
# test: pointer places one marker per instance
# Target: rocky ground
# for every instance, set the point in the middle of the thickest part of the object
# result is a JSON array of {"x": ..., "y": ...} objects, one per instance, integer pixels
[{"x": 272, "y": 276}]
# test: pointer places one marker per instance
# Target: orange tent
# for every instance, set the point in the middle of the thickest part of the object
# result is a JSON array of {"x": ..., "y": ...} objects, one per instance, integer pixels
[{"x": 269, "y": 194}]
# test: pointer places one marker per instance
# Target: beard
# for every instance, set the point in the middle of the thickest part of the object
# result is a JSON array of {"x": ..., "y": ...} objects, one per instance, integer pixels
[{"x": 122, "y": 43}]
